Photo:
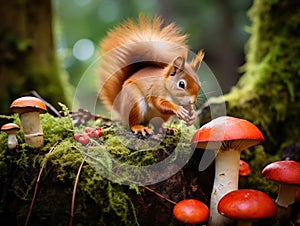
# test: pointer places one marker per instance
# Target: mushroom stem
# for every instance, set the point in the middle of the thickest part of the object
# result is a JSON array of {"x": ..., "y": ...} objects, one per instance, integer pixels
[
  {"x": 12, "y": 141},
  {"x": 226, "y": 180},
  {"x": 286, "y": 195},
  {"x": 285, "y": 198},
  {"x": 32, "y": 128}
]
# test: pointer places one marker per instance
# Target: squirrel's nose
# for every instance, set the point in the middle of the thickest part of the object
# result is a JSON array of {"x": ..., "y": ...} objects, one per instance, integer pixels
[{"x": 193, "y": 100}]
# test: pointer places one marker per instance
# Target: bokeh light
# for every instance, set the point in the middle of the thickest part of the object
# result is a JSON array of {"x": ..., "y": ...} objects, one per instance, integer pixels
[{"x": 83, "y": 49}]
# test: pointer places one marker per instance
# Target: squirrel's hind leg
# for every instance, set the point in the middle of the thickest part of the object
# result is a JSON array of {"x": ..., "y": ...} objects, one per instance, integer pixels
[{"x": 144, "y": 130}]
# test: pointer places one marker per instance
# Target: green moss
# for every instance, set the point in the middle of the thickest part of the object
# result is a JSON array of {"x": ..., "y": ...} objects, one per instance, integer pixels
[
  {"x": 122, "y": 205},
  {"x": 3, "y": 143},
  {"x": 61, "y": 157}
]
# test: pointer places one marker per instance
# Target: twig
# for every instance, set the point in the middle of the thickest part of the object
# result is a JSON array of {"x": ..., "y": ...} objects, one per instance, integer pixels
[
  {"x": 50, "y": 106},
  {"x": 37, "y": 185},
  {"x": 159, "y": 195},
  {"x": 74, "y": 192}
]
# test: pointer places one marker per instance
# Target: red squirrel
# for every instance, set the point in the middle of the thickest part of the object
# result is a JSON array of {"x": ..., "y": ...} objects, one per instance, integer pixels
[{"x": 144, "y": 75}]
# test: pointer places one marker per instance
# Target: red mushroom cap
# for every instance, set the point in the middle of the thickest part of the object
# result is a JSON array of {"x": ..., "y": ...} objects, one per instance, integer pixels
[
  {"x": 244, "y": 169},
  {"x": 286, "y": 171},
  {"x": 10, "y": 127},
  {"x": 191, "y": 211},
  {"x": 247, "y": 204},
  {"x": 28, "y": 104},
  {"x": 228, "y": 132}
]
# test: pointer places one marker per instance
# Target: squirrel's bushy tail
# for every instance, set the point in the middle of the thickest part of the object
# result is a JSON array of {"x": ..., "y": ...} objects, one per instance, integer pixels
[{"x": 132, "y": 46}]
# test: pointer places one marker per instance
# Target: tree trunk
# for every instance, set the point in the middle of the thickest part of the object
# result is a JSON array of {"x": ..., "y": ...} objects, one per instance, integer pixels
[
  {"x": 27, "y": 54},
  {"x": 268, "y": 93}
]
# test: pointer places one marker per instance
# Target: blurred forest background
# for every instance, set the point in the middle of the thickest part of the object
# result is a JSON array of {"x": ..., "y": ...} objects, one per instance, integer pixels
[{"x": 218, "y": 27}]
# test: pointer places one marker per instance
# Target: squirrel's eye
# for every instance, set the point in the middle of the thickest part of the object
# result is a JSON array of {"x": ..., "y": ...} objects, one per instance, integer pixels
[{"x": 181, "y": 84}]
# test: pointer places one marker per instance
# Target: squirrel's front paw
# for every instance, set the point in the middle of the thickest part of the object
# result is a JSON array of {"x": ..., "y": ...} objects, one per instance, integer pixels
[
  {"x": 183, "y": 114},
  {"x": 193, "y": 117}
]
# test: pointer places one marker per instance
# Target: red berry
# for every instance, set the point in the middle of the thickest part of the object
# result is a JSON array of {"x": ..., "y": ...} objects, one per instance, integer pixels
[
  {"x": 99, "y": 133},
  {"x": 88, "y": 129},
  {"x": 76, "y": 136},
  {"x": 98, "y": 128},
  {"x": 84, "y": 139},
  {"x": 93, "y": 133}
]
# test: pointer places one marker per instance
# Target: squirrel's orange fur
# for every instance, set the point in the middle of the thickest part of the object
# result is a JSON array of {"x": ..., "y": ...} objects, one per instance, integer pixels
[{"x": 144, "y": 74}]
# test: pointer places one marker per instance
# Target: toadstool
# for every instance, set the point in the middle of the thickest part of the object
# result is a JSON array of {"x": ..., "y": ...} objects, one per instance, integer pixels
[
  {"x": 227, "y": 136},
  {"x": 11, "y": 129},
  {"x": 244, "y": 169},
  {"x": 287, "y": 174},
  {"x": 247, "y": 206},
  {"x": 191, "y": 211},
  {"x": 29, "y": 109}
]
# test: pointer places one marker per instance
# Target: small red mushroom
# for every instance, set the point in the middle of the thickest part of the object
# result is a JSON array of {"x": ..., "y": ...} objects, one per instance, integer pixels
[
  {"x": 228, "y": 137},
  {"x": 246, "y": 206},
  {"x": 191, "y": 211},
  {"x": 244, "y": 169},
  {"x": 287, "y": 174}
]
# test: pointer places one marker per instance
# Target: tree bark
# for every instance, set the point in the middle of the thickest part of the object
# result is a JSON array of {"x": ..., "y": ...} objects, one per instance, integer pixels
[
  {"x": 27, "y": 53},
  {"x": 268, "y": 93}
]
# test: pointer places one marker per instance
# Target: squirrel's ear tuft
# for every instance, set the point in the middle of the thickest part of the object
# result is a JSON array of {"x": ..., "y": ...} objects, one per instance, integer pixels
[
  {"x": 197, "y": 61},
  {"x": 178, "y": 62}
]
